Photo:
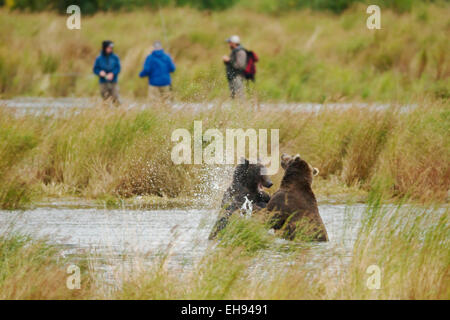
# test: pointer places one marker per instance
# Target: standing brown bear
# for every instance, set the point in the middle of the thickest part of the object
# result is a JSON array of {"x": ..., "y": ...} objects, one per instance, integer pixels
[{"x": 294, "y": 204}]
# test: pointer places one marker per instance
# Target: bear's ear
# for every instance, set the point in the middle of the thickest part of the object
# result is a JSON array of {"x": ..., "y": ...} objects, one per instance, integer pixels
[
  {"x": 244, "y": 161},
  {"x": 315, "y": 171},
  {"x": 297, "y": 158},
  {"x": 285, "y": 158}
]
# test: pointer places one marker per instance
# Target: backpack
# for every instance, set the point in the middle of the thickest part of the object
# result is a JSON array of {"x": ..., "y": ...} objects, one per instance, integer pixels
[{"x": 250, "y": 69}]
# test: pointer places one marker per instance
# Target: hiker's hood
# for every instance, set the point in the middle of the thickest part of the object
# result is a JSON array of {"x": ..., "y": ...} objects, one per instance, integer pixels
[{"x": 106, "y": 44}]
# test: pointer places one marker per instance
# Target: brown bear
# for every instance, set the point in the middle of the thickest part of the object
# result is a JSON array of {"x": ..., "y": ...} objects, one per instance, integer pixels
[
  {"x": 248, "y": 182},
  {"x": 294, "y": 205}
]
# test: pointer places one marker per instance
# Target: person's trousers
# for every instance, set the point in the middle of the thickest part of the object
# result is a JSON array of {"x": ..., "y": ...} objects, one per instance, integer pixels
[
  {"x": 110, "y": 91},
  {"x": 237, "y": 87},
  {"x": 160, "y": 94}
]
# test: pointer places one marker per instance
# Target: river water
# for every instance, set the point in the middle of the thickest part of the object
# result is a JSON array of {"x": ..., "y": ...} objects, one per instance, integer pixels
[
  {"x": 124, "y": 236},
  {"x": 39, "y": 105}
]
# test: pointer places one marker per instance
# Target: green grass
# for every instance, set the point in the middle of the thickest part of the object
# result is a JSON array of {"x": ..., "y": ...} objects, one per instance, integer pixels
[
  {"x": 248, "y": 234},
  {"x": 109, "y": 156},
  {"x": 115, "y": 154},
  {"x": 313, "y": 56},
  {"x": 35, "y": 270}
]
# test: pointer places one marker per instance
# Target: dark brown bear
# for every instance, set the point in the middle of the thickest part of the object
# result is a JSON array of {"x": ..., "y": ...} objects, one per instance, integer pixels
[
  {"x": 294, "y": 204},
  {"x": 248, "y": 181}
]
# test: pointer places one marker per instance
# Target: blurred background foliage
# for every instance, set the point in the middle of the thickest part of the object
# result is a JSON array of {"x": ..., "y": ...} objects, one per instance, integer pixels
[{"x": 93, "y": 6}]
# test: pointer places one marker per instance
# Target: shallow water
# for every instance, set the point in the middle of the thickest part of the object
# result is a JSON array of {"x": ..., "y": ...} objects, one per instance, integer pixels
[
  {"x": 125, "y": 236},
  {"x": 38, "y": 105}
]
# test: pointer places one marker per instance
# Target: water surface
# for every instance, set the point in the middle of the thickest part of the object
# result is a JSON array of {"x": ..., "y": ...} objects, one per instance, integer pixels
[
  {"x": 181, "y": 234},
  {"x": 39, "y": 105}
]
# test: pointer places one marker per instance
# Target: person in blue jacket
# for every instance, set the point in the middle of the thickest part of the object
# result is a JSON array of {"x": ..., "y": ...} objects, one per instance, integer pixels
[
  {"x": 157, "y": 67},
  {"x": 107, "y": 68}
]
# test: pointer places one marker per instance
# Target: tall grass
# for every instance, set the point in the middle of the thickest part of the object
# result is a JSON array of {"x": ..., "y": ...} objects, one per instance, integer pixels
[
  {"x": 33, "y": 270},
  {"x": 124, "y": 152},
  {"x": 92, "y": 154},
  {"x": 304, "y": 55}
]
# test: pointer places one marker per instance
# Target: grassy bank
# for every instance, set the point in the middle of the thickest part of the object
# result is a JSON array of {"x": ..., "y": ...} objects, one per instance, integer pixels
[
  {"x": 409, "y": 244},
  {"x": 103, "y": 153},
  {"x": 33, "y": 269},
  {"x": 305, "y": 55}
]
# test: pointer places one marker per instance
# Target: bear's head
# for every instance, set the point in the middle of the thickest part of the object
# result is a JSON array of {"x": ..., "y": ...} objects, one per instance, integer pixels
[
  {"x": 297, "y": 169},
  {"x": 253, "y": 176}
]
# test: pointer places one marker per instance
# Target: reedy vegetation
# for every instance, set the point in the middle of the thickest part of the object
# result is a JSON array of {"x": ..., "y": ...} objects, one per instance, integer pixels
[
  {"x": 305, "y": 55},
  {"x": 101, "y": 152},
  {"x": 33, "y": 269}
]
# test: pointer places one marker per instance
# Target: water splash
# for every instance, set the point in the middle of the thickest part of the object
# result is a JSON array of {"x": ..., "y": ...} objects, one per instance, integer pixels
[{"x": 214, "y": 179}]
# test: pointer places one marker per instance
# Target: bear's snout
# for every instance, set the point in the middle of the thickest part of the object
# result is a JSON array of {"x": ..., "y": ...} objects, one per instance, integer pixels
[{"x": 267, "y": 183}]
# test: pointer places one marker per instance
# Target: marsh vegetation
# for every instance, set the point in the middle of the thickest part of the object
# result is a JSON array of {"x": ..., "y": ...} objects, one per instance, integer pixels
[
  {"x": 314, "y": 56},
  {"x": 393, "y": 159}
]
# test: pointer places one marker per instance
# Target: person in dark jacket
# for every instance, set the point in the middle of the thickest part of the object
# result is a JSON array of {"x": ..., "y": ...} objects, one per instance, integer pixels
[
  {"x": 107, "y": 68},
  {"x": 235, "y": 65},
  {"x": 157, "y": 67}
]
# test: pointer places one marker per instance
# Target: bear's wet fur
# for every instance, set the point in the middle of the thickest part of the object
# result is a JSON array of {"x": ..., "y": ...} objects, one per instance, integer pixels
[
  {"x": 248, "y": 181},
  {"x": 294, "y": 205}
]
